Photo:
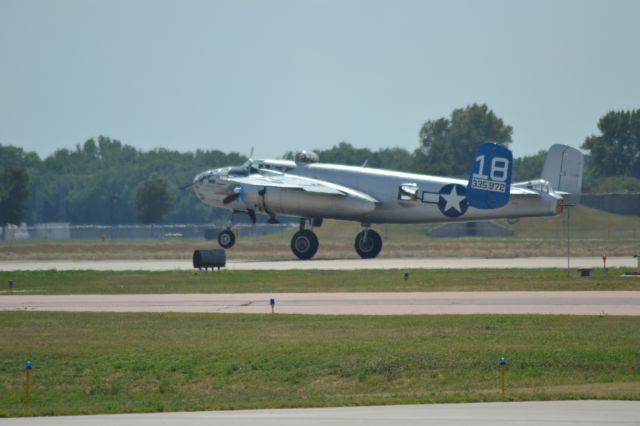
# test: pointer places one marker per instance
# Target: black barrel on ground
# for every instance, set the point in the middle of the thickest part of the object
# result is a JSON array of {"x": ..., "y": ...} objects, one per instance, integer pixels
[{"x": 215, "y": 258}]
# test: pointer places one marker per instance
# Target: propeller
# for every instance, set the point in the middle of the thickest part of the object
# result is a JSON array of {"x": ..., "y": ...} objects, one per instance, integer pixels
[
  {"x": 252, "y": 215},
  {"x": 237, "y": 194},
  {"x": 230, "y": 198},
  {"x": 182, "y": 188}
]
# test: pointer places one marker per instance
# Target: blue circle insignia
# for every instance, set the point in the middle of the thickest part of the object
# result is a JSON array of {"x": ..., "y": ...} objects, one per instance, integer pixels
[{"x": 453, "y": 200}]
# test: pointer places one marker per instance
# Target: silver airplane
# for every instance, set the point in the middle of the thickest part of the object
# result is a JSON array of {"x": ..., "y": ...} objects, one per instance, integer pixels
[{"x": 314, "y": 191}]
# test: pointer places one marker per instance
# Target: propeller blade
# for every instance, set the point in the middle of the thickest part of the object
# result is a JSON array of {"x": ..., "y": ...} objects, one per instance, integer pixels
[
  {"x": 182, "y": 188},
  {"x": 252, "y": 215},
  {"x": 231, "y": 198}
]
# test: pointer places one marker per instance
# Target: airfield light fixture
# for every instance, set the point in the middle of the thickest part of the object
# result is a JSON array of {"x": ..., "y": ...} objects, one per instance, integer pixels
[
  {"x": 27, "y": 384},
  {"x": 503, "y": 371}
]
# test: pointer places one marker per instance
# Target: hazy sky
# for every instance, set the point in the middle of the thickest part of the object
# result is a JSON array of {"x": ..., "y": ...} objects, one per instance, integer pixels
[{"x": 300, "y": 74}]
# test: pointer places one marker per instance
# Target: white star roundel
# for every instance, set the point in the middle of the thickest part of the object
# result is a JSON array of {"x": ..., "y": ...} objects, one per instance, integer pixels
[{"x": 453, "y": 201}]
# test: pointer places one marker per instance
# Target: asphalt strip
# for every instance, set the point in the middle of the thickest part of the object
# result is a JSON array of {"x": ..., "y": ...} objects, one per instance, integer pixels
[
  {"x": 418, "y": 303},
  {"x": 548, "y": 413},
  {"x": 323, "y": 264}
]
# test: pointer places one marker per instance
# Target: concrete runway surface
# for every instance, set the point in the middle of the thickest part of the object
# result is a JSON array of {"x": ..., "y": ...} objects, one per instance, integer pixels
[
  {"x": 419, "y": 303},
  {"x": 550, "y": 413},
  {"x": 331, "y": 264}
]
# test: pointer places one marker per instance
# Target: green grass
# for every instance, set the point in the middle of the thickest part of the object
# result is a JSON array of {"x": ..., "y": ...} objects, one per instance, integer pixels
[
  {"x": 136, "y": 282},
  {"x": 108, "y": 363}
]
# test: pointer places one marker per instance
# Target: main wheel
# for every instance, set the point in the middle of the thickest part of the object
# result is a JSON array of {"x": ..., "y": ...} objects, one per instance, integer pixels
[
  {"x": 226, "y": 239},
  {"x": 304, "y": 244},
  {"x": 370, "y": 247}
]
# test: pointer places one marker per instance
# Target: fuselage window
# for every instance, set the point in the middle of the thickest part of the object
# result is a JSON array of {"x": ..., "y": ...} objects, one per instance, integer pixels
[{"x": 408, "y": 192}]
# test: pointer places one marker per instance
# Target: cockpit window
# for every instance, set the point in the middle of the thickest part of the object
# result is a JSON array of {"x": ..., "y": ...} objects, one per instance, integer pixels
[
  {"x": 238, "y": 171},
  {"x": 306, "y": 157}
]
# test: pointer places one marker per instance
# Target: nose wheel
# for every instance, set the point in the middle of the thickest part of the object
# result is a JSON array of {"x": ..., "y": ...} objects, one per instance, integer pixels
[
  {"x": 226, "y": 239},
  {"x": 368, "y": 244},
  {"x": 304, "y": 244}
]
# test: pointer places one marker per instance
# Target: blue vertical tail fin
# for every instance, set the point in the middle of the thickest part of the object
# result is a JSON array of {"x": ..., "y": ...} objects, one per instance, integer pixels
[{"x": 490, "y": 179}]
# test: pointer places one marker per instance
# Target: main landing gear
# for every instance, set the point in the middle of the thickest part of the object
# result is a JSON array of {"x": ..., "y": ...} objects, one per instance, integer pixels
[
  {"x": 368, "y": 243},
  {"x": 304, "y": 243}
]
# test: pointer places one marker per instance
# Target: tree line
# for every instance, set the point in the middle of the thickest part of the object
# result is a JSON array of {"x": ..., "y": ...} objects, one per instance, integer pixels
[{"x": 104, "y": 181}]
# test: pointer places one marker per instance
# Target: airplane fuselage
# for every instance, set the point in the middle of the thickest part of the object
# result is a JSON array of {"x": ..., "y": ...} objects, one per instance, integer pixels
[
  {"x": 438, "y": 199},
  {"x": 375, "y": 196}
]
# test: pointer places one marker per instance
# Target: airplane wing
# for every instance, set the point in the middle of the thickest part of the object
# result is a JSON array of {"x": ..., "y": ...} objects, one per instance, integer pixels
[{"x": 302, "y": 183}]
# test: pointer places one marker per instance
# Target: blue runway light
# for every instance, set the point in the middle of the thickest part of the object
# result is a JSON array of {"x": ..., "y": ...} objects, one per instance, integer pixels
[
  {"x": 503, "y": 361},
  {"x": 10, "y": 283},
  {"x": 272, "y": 301},
  {"x": 405, "y": 275},
  {"x": 28, "y": 365}
]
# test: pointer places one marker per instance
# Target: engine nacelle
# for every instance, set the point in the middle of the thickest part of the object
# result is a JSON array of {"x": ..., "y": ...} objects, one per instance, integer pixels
[{"x": 297, "y": 202}]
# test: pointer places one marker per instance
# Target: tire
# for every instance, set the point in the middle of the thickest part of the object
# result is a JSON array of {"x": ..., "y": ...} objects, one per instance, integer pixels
[
  {"x": 226, "y": 239},
  {"x": 304, "y": 244},
  {"x": 371, "y": 247}
]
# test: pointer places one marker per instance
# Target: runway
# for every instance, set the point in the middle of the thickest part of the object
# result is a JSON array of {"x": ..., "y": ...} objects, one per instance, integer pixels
[
  {"x": 422, "y": 303},
  {"x": 549, "y": 413},
  {"x": 322, "y": 264}
]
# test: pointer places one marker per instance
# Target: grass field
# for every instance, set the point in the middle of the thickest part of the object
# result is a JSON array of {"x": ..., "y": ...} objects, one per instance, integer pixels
[
  {"x": 594, "y": 233},
  {"x": 99, "y": 363},
  {"x": 139, "y": 282}
]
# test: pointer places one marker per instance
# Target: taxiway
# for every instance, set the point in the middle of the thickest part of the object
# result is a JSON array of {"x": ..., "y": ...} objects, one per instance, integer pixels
[
  {"x": 549, "y": 413},
  {"x": 321, "y": 264},
  {"x": 401, "y": 303}
]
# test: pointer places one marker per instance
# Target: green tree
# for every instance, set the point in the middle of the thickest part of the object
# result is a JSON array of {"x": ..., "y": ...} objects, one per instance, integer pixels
[
  {"x": 615, "y": 184},
  {"x": 14, "y": 195},
  {"x": 528, "y": 167},
  {"x": 152, "y": 200},
  {"x": 447, "y": 145},
  {"x": 616, "y": 152}
]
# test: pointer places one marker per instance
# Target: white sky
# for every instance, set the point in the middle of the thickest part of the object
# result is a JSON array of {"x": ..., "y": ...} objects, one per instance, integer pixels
[{"x": 301, "y": 74}]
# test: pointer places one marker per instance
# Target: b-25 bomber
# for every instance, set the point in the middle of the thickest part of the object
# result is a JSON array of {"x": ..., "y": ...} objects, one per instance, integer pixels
[{"x": 314, "y": 191}]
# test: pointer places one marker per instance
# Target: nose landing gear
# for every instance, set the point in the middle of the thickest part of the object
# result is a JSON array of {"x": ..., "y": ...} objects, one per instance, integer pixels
[{"x": 226, "y": 239}]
